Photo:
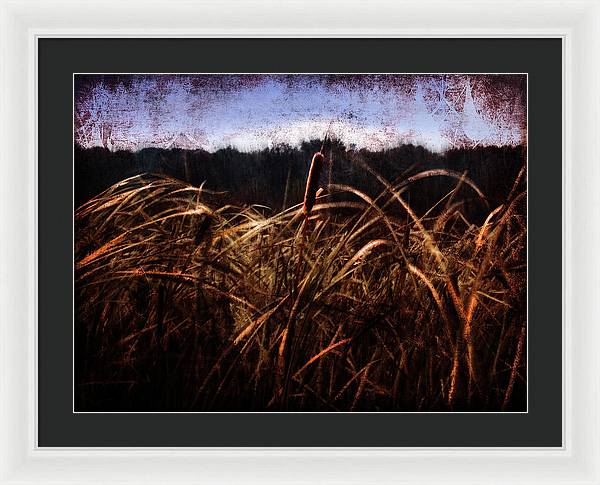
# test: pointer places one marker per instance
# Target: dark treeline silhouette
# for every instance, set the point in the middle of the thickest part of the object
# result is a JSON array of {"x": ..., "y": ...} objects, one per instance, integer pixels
[{"x": 275, "y": 177}]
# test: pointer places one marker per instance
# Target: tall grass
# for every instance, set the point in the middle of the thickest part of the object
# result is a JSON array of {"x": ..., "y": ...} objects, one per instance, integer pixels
[{"x": 186, "y": 303}]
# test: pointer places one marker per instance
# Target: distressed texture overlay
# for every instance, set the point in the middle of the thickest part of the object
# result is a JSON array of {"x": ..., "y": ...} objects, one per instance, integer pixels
[
  {"x": 253, "y": 111},
  {"x": 300, "y": 242}
]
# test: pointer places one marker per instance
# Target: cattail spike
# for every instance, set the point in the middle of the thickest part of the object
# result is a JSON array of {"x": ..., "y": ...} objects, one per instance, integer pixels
[{"x": 312, "y": 183}]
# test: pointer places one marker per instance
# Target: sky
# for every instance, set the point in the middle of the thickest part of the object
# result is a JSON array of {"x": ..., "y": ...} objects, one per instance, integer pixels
[{"x": 250, "y": 112}]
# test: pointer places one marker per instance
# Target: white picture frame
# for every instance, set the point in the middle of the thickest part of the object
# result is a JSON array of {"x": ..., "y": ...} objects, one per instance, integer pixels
[{"x": 576, "y": 22}]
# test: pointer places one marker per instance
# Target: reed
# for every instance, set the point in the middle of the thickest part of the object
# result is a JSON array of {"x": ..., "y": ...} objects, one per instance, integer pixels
[
  {"x": 184, "y": 302},
  {"x": 312, "y": 183}
]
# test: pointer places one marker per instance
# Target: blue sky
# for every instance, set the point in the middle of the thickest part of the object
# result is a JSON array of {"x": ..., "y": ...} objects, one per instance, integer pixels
[{"x": 251, "y": 112}]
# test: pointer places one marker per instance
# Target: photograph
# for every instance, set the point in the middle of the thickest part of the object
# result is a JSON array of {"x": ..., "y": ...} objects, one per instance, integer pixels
[{"x": 300, "y": 242}]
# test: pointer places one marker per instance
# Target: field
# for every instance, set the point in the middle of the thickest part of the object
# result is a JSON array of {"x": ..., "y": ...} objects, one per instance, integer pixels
[{"x": 190, "y": 299}]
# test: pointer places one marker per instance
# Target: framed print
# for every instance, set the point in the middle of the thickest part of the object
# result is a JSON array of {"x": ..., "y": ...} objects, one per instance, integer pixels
[
  {"x": 282, "y": 251},
  {"x": 354, "y": 192}
]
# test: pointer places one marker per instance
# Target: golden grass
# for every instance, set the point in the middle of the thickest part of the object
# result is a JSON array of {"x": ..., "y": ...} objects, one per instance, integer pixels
[{"x": 198, "y": 305}]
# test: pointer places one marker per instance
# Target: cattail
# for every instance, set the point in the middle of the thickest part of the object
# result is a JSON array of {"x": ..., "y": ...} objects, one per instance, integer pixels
[{"x": 312, "y": 182}]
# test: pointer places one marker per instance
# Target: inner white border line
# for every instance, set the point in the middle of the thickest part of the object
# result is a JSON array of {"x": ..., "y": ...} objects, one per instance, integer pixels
[{"x": 308, "y": 74}]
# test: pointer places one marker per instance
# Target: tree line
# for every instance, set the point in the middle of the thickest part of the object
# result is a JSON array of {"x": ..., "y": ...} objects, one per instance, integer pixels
[{"x": 275, "y": 177}]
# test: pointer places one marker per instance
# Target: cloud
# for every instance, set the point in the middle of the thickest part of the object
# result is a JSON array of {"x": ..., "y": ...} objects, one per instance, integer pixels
[{"x": 252, "y": 112}]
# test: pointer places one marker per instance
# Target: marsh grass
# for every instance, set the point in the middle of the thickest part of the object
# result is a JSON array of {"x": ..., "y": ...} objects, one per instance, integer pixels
[{"x": 186, "y": 303}]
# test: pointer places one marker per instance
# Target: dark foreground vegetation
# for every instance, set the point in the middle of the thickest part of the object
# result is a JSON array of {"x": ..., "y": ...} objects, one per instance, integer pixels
[{"x": 402, "y": 289}]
